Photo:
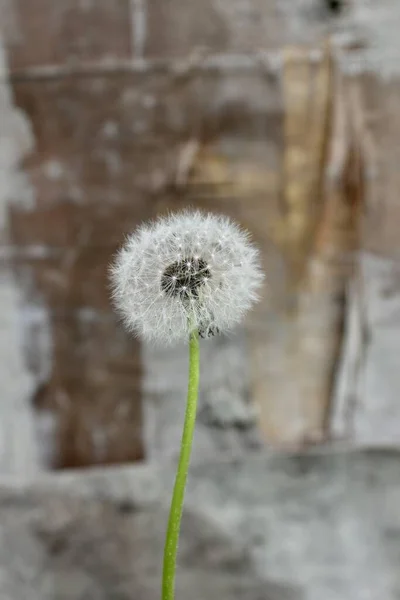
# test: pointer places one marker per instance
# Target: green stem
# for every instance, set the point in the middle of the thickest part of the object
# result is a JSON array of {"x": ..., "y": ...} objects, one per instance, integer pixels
[{"x": 175, "y": 515}]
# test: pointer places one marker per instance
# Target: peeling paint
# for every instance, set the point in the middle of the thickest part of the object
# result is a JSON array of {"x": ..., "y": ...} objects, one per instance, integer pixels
[
  {"x": 19, "y": 450},
  {"x": 53, "y": 169},
  {"x": 36, "y": 339},
  {"x": 139, "y": 27}
]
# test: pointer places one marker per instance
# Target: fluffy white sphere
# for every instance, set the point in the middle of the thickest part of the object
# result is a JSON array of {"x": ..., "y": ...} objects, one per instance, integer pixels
[{"x": 184, "y": 272}]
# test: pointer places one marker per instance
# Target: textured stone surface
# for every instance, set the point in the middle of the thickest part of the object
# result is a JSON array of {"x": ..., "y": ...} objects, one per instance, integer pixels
[
  {"x": 61, "y": 547},
  {"x": 271, "y": 528}
]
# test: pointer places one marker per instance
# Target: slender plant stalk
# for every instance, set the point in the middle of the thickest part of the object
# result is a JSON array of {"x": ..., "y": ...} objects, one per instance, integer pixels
[{"x": 175, "y": 515}]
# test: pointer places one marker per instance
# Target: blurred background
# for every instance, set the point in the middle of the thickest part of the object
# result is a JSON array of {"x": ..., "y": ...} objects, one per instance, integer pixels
[{"x": 284, "y": 115}]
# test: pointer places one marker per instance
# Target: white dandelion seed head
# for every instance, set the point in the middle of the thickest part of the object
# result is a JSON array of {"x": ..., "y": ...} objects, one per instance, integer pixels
[{"x": 187, "y": 271}]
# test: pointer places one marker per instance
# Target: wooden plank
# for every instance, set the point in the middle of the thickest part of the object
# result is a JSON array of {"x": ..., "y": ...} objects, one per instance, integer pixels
[{"x": 316, "y": 236}]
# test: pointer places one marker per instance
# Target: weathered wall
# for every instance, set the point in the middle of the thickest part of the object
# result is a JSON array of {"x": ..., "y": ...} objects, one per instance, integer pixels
[{"x": 136, "y": 109}]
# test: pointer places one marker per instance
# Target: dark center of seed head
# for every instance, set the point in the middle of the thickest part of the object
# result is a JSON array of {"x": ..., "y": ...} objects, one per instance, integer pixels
[{"x": 183, "y": 278}]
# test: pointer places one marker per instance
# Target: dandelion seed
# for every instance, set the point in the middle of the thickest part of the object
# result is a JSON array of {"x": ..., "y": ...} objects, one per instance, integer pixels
[{"x": 214, "y": 284}]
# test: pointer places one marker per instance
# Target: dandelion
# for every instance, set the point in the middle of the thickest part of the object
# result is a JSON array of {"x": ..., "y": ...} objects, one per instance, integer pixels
[
  {"x": 183, "y": 276},
  {"x": 186, "y": 272}
]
